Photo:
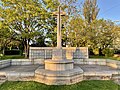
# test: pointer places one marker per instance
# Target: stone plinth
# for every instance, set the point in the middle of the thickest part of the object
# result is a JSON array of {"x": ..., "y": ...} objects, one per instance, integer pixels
[
  {"x": 65, "y": 77},
  {"x": 57, "y": 54},
  {"x": 58, "y": 65}
]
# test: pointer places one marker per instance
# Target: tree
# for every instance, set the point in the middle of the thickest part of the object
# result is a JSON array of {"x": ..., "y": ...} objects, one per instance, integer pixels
[
  {"x": 105, "y": 34},
  {"x": 76, "y": 32},
  {"x": 69, "y": 6},
  {"x": 90, "y": 10},
  {"x": 72, "y": 11},
  {"x": 51, "y": 24},
  {"x": 6, "y": 36},
  {"x": 116, "y": 42},
  {"x": 26, "y": 18}
]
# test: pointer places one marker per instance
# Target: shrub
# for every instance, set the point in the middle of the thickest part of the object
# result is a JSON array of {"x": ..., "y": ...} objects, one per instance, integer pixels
[{"x": 108, "y": 52}]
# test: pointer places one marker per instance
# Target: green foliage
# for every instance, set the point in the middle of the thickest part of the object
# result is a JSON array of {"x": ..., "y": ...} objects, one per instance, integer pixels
[
  {"x": 29, "y": 21},
  {"x": 11, "y": 57},
  {"x": 77, "y": 35},
  {"x": 104, "y": 34},
  {"x": 108, "y": 52},
  {"x": 84, "y": 85},
  {"x": 104, "y": 57},
  {"x": 96, "y": 51},
  {"x": 51, "y": 5},
  {"x": 25, "y": 18},
  {"x": 90, "y": 10}
]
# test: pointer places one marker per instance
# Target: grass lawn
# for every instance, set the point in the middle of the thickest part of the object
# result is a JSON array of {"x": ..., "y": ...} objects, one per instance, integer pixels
[
  {"x": 84, "y": 85},
  {"x": 103, "y": 57},
  {"x": 11, "y": 57}
]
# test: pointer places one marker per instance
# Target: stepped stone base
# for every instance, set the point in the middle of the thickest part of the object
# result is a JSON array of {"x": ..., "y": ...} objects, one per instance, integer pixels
[{"x": 66, "y": 77}]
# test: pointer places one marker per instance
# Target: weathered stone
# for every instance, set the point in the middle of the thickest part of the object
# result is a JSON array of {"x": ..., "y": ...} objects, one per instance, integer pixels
[
  {"x": 5, "y": 63},
  {"x": 58, "y": 65},
  {"x": 68, "y": 52},
  {"x": 59, "y": 77},
  {"x": 3, "y": 78}
]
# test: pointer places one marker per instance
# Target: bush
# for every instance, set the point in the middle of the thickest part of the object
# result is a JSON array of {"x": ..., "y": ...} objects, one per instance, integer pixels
[{"x": 108, "y": 52}]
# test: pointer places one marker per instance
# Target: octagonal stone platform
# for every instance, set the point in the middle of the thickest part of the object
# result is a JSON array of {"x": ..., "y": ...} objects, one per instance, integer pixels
[{"x": 66, "y": 77}]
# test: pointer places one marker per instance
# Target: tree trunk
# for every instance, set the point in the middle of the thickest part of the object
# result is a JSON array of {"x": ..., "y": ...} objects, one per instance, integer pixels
[
  {"x": 26, "y": 48},
  {"x": 3, "y": 51}
]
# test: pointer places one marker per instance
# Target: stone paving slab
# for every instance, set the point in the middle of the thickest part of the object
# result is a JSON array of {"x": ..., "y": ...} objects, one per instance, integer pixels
[
  {"x": 23, "y": 68},
  {"x": 97, "y": 68},
  {"x": 85, "y": 68}
]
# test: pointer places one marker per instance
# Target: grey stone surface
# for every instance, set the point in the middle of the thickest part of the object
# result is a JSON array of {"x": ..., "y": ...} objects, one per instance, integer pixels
[
  {"x": 21, "y": 62},
  {"x": 68, "y": 52},
  {"x": 116, "y": 79},
  {"x": 59, "y": 65},
  {"x": 23, "y": 68},
  {"x": 113, "y": 63},
  {"x": 99, "y": 72},
  {"x": 3, "y": 78},
  {"x": 93, "y": 71},
  {"x": 96, "y": 68},
  {"x": 18, "y": 73},
  {"x": 5, "y": 63},
  {"x": 59, "y": 77}
]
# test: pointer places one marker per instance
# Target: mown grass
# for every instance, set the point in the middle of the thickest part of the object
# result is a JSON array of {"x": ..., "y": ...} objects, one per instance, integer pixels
[
  {"x": 103, "y": 57},
  {"x": 84, "y": 85},
  {"x": 11, "y": 57}
]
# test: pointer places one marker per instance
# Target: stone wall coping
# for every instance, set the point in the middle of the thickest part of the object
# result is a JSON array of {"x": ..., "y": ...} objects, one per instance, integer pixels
[
  {"x": 59, "y": 61},
  {"x": 6, "y": 60},
  {"x": 55, "y": 47},
  {"x": 41, "y": 48},
  {"x": 5, "y": 63},
  {"x": 107, "y": 60},
  {"x": 20, "y": 59},
  {"x": 95, "y": 60},
  {"x": 114, "y": 61}
]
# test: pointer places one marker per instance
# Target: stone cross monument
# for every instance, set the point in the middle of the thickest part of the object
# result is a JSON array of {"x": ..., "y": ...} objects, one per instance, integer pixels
[
  {"x": 59, "y": 70},
  {"x": 57, "y": 53},
  {"x": 59, "y": 13},
  {"x": 58, "y": 62}
]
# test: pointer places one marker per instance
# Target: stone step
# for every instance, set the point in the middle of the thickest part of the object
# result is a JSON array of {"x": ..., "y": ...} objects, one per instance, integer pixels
[
  {"x": 116, "y": 78},
  {"x": 3, "y": 78}
]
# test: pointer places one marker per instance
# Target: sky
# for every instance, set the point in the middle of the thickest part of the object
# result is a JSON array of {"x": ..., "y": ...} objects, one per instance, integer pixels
[{"x": 109, "y": 9}]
